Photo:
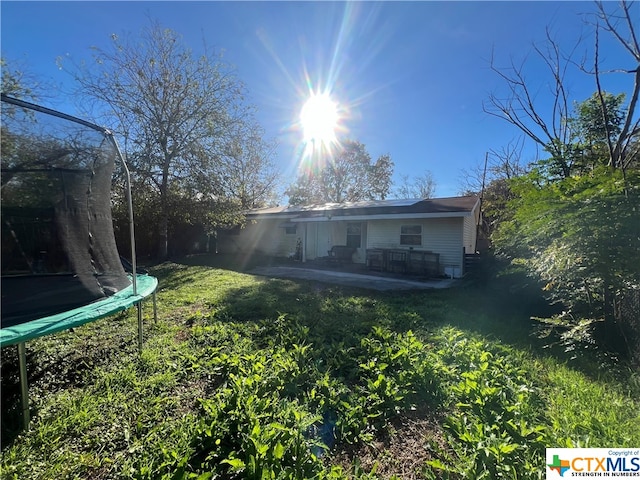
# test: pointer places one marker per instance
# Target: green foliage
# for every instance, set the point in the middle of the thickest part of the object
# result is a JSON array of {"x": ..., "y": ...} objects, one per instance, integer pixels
[
  {"x": 266, "y": 419},
  {"x": 595, "y": 130},
  {"x": 232, "y": 384},
  {"x": 253, "y": 426},
  {"x": 18, "y": 82},
  {"x": 579, "y": 235},
  {"x": 395, "y": 372},
  {"x": 398, "y": 370},
  {"x": 496, "y": 425},
  {"x": 574, "y": 222}
]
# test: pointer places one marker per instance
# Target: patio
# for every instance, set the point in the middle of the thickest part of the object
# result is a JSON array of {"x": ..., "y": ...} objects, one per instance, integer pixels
[{"x": 351, "y": 274}]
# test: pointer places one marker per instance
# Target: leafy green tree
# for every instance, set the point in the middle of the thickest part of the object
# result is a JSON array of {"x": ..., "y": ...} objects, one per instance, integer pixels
[
  {"x": 597, "y": 130},
  {"x": 177, "y": 113},
  {"x": 593, "y": 127},
  {"x": 580, "y": 235},
  {"x": 347, "y": 176},
  {"x": 18, "y": 82}
]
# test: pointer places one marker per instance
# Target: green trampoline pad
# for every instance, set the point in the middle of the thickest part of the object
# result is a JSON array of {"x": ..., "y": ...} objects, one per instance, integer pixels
[{"x": 121, "y": 300}]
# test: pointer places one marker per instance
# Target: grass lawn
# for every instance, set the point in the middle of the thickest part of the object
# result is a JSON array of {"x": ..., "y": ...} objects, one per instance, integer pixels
[{"x": 249, "y": 377}]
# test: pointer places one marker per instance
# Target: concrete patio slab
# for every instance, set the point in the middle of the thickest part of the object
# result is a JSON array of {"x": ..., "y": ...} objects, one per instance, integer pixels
[{"x": 351, "y": 279}]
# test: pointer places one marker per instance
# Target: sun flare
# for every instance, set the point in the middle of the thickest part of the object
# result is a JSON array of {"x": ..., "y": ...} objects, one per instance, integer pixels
[{"x": 319, "y": 119}]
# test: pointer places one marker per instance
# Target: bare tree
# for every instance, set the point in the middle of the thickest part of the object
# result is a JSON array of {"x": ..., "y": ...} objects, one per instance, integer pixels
[
  {"x": 554, "y": 132},
  {"x": 500, "y": 164},
  {"x": 520, "y": 109},
  {"x": 422, "y": 186}
]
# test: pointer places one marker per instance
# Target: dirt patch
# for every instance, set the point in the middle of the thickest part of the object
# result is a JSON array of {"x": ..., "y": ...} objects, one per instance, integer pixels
[{"x": 402, "y": 451}]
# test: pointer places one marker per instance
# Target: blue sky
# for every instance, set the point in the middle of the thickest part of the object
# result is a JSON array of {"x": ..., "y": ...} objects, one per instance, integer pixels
[{"x": 412, "y": 76}]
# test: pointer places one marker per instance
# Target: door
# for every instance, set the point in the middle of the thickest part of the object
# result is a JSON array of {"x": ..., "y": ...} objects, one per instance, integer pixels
[
  {"x": 356, "y": 238},
  {"x": 323, "y": 239}
]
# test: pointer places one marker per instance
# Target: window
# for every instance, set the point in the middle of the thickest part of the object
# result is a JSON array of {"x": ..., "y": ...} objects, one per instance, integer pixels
[
  {"x": 354, "y": 235},
  {"x": 411, "y": 235},
  {"x": 289, "y": 228}
]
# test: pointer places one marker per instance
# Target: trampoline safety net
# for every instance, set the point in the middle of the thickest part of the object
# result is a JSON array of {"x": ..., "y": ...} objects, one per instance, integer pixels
[{"x": 58, "y": 245}]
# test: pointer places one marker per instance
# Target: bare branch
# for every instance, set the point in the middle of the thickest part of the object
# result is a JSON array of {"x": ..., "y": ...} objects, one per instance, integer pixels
[
  {"x": 631, "y": 45},
  {"x": 618, "y": 147},
  {"x": 603, "y": 106},
  {"x": 522, "y": 109}
]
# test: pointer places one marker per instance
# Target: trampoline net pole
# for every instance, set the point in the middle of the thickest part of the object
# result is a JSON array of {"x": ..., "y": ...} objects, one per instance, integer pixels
[
  {"x": 130, "y": 208},
  {"x": 24, "y": 386}
]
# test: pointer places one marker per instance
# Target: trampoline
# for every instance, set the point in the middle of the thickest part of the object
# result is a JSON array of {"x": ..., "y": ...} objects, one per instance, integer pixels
[{"x": 60, "y": 265}]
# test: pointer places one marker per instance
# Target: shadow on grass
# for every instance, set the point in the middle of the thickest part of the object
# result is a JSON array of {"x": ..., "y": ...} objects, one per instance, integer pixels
[
  {"x": 498, "y": 308},
  {"x": 241, "y": 262},
  {"x": 495, "y": 302}
]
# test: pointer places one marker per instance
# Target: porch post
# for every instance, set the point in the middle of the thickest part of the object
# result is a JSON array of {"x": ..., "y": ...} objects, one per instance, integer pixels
[{"x": 304, "y": 243}]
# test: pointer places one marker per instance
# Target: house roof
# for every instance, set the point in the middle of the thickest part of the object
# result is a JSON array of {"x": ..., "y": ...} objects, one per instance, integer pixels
[{"x": 398, "y": 208}]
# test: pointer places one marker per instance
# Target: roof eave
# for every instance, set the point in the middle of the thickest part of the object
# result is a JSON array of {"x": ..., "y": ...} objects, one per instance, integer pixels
[{"x": 388, "y": 216}]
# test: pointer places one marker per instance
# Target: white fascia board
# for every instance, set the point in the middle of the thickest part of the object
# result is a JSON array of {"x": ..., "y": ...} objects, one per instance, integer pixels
[
  {"x": 396, "y": 216},
  {"x": 475, "y": 206},
  {"x": 270, "y": 216}
]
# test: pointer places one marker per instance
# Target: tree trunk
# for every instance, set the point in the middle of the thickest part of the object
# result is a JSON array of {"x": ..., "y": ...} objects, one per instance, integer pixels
[
  {"x": 163, "y": 246},
  {"x": 163, "y": 227},
  {"x": 612, "y": 334}
]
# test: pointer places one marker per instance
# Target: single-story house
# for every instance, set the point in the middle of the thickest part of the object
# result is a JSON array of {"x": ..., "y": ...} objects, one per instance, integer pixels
[{"x": 444, "y": 228}]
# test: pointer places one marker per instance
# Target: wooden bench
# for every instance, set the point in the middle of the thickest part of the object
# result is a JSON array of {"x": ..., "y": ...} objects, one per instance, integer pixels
[{"x": 341, "y": 254}]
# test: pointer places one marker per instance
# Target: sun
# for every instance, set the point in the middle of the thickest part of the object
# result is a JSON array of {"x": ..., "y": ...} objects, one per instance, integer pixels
[{"x": 319, "y": 120}]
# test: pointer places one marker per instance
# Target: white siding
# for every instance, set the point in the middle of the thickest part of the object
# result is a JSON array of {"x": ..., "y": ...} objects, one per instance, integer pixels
[
  {"x": 384, "y": 233},
  {"x": 439, "y": 235},
  {"x": 469, "y": 234},
  {"x": 449, "y": 237},
  {"x": 265, "y": 236}
]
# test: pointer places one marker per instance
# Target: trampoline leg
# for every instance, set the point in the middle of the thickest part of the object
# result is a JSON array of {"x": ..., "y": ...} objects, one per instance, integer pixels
[
  {"x": 22, "y": 358},
  {"x": 155, "y": 308},
  {"x": 139, "y": 327}
]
